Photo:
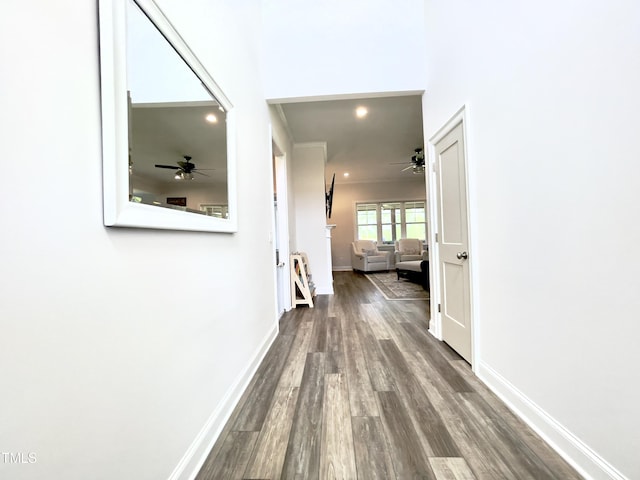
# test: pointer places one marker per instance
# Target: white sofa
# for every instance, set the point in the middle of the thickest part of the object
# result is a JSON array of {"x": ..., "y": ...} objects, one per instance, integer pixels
[{"x": 365, "y": 257}]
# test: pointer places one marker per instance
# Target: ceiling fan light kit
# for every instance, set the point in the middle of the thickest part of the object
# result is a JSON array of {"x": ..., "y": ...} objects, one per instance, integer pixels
[
  {"x": 184, "y": 169},
  {"x": 416, "y": 165},
  {"x": 418, "y": 158},
  {"x": 183, "y": 176}
]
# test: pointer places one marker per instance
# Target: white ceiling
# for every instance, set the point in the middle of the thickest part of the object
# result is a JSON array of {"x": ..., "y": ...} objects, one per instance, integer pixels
[
  {"x": 363, "y": 147},
  {"x": 164, "y": 133}
]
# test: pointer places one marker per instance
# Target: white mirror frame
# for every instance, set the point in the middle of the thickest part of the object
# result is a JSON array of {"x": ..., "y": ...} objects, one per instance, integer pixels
[{"x": 118, "y": 210}]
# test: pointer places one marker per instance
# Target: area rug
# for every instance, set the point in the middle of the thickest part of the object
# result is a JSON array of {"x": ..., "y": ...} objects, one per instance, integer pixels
[{"x": 393, "y": 289}]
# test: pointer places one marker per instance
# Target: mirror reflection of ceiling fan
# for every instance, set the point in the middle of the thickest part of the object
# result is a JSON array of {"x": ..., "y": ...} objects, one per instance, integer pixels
[
  {"x": 184, "y": 170},
  {"x": 416, "y": 163}
]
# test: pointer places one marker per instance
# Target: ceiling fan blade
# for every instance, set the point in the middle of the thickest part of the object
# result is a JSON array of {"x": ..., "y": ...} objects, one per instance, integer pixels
[
  {"x": 199, "y": 172},
  {"x": 172, "y": 167},
  {"x": 407, "y": 168},
  {"x": 398, "y": 163}
]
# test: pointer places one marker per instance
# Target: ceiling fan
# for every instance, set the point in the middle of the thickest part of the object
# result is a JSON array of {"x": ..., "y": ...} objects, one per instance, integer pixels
[
  {"x": 416, "y": 163},
  {"x": 185, "y": 169}
]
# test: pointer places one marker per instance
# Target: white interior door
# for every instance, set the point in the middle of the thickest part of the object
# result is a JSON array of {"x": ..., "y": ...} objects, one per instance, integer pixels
[
  {"x": 281, "y": 234},
  {"x": 453, "y": 242}
]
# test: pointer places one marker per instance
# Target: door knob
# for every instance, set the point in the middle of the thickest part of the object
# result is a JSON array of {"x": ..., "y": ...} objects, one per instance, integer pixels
[{"x": 462, "y": 255}]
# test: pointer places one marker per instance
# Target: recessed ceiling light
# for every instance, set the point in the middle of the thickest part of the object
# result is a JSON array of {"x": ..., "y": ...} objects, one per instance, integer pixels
[
  {"x": 211, "y": 118},
  {"x": 345, "y": 174},
  {"x": 361, "y": 112}
]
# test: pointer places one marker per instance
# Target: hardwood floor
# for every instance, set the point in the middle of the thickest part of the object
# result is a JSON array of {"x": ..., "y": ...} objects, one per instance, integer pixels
[{"x": 356, "y": 388}]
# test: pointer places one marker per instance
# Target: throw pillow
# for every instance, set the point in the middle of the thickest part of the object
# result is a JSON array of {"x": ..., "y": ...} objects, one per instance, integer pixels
[
  {"x": 411, "y": 251},
  {"x": 370, "y": 252}
]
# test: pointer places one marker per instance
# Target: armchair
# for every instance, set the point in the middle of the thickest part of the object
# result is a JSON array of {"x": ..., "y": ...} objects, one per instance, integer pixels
[
  {"x": 408, "y": 249},
  {"x": 365, "y": 257}
]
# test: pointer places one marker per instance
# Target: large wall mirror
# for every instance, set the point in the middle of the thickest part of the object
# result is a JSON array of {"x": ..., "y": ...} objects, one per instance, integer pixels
[{"x": 168, "y": 130}]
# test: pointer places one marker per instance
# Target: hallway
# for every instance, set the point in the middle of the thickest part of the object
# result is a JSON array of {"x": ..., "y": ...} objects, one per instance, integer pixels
[{"x": 357, "y": 388}]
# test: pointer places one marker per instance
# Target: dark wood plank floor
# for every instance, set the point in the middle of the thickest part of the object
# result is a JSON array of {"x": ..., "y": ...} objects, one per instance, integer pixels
[{"x": 356, "y": 388}]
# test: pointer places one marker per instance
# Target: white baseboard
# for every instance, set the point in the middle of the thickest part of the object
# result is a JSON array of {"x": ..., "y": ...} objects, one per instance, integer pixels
[
  {"x": 587, "y": 462},
  {"x": 345, "y": 268},
  {"x": 197, "y": 453}
]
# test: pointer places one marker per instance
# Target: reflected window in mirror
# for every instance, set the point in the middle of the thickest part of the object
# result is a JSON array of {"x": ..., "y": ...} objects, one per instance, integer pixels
[{"x": 219, "y": 211}]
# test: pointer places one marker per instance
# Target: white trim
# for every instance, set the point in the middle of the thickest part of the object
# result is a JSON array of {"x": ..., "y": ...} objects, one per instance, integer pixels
[
  {"x": 342, "y": 268},
  {"x": 284, "y": 147},
  {"x": 345, "y": 96},
  {"x": 408, "y": 180},
  {"x": 454, "y": 120},
  {"x": 283, "y": 224},
  {"x": 273, "y": 234},
  {"x": 322, "y": 145},
  {"x": 285, "y": 123},
  {"x": 195, "y": 456},
  {"x": 579, "y": 455},
  {"x": 435, "y": 326},
  {"x": 435, "y": 323}
]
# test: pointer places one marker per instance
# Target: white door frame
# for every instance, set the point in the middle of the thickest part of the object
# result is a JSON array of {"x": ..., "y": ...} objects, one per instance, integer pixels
[
  {"x": 435, "y": 325},
  {"x": 282, "y": 223},
  {"x": 283, "y": 227}
]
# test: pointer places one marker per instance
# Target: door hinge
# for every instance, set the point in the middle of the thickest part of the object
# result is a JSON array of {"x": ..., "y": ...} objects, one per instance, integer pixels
[
  {"x": 436, "y": 238},
  {"x": 439, "y": 308}
]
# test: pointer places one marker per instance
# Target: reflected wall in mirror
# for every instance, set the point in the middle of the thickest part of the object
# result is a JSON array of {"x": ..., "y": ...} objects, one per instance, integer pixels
[{"x": 167, "y": 126}]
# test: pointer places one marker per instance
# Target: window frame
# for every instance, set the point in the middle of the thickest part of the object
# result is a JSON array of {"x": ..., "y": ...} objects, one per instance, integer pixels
[
  {"x": 403, "y": 219},
  {"x": 367, "y": 225}
]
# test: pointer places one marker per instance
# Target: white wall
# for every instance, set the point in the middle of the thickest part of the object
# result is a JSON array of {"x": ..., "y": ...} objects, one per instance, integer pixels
[
  {"x": 118, "y": 345},
  {"x": 343, "y": 212},
  {"x": 332, "y": 47},
  {"x": 309, "y": 160},
  {"x": 552, "y": 96}
]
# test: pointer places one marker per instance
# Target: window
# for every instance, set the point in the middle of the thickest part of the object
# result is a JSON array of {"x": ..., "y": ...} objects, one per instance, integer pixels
[
  {"x": 389, "y": 221},
  {"x": 219, "y": 211},
  {"x": 367, "y": 221},
  {"x": 415, "y": 220}
]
